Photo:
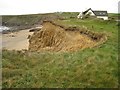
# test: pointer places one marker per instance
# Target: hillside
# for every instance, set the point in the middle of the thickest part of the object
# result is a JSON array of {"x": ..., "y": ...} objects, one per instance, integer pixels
[
  {"x": 26, "y": 21},
  {"x": 95, "y": 67}
]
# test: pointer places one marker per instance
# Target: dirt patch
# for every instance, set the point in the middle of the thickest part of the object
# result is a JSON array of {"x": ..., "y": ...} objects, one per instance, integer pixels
[{"x": 53, "y": 37}]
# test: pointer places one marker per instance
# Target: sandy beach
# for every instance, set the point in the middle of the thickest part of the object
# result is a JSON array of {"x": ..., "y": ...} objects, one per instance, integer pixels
[{"x": 16, "y": 40}]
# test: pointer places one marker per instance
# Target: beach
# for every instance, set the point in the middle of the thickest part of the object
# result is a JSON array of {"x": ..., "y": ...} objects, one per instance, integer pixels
[{"x": 15, "y": 40}]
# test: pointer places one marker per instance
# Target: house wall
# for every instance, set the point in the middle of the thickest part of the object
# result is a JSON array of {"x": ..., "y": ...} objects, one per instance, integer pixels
[
  {"x": 103, "y": 17},
  {"x": 91, "y": 13},
  {"x": 80, "y": 15}
]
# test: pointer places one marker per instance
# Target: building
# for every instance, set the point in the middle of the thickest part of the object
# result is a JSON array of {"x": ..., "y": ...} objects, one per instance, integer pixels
[{"x": 99, "y": 14}]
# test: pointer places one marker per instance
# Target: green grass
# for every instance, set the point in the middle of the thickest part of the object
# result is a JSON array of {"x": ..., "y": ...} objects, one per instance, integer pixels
[
  {"x": 26, "y": 20},
  {"x": 87, "y": 68},
  {"x": 92, "y": 68}
]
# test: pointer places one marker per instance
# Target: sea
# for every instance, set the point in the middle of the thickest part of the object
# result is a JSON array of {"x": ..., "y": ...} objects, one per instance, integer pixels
[{"x": 2, "y": 28}]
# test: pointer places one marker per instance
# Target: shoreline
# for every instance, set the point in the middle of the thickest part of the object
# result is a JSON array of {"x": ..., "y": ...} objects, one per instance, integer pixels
[{"x": 16, "y": 40}]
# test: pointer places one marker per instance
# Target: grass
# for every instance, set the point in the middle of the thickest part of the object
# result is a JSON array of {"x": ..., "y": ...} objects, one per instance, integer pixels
[
  {"x": 87, "y": 68},
  {"x": 90, "y": 68},
  {"x": 26, "y": 21}
]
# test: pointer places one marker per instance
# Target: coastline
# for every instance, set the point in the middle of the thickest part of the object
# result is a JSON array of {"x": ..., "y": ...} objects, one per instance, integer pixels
[{"x": 16, "y": 40}]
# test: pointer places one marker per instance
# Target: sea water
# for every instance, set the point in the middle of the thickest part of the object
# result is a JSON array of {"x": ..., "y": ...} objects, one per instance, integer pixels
[{"x": 2, "y": 28}]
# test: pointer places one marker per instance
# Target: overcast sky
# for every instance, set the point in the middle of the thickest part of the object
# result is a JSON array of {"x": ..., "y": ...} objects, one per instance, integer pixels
[{"x": 17, "y": 7}]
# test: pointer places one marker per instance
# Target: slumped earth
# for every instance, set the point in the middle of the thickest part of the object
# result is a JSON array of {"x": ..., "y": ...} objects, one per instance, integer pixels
[
  {"x": 53, "y": 37},
  {"x": 94, "y": 67}
]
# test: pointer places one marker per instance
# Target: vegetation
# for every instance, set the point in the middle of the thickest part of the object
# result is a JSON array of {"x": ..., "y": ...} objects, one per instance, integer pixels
[
  {"x": 19, "y": 22},
  {"x": 89, "y": 68}
]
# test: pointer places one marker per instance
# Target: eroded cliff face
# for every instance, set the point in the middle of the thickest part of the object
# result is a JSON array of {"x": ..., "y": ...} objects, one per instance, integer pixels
[{"x": 53, "y": 37}]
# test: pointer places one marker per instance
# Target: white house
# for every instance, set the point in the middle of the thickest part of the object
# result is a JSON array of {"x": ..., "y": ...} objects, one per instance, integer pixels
[{"x": 98, "y": 14}]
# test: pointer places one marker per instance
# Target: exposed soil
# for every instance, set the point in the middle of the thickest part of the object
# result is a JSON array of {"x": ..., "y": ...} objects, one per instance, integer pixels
[{"x": 53, "y": 37}]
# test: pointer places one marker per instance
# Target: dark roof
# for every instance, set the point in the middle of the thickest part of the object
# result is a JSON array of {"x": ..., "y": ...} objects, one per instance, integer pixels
[
  {"x": 97, "y": 13},
  {"x": 87, "y": 11},
  {"x": 100, "y": 13}
]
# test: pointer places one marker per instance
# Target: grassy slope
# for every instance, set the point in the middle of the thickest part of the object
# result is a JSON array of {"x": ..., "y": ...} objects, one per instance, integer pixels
[
  {"x": 26, "y": 21},
  {"x": 96, "y": 67}
]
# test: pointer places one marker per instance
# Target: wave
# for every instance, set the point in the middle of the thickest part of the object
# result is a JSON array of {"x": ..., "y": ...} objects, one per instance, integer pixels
[{"x": 2, "y": 28}]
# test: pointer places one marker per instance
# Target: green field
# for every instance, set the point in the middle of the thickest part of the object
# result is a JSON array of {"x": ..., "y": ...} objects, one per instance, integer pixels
[{"x": 89, "y": 68}]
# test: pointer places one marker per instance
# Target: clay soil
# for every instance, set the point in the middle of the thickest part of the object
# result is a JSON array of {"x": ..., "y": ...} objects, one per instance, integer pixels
[{"x": 53, "y": 37}]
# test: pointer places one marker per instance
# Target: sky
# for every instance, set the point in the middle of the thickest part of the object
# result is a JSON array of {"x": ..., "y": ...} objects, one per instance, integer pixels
[{"x": 19, "y": 7}]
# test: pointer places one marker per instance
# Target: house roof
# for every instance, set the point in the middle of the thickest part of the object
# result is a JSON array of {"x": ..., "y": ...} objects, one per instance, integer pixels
[
  {"x": 87, "y": 11},
  {"x": 100, "y": 13},
  {"x": 97, "y": 13}
]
